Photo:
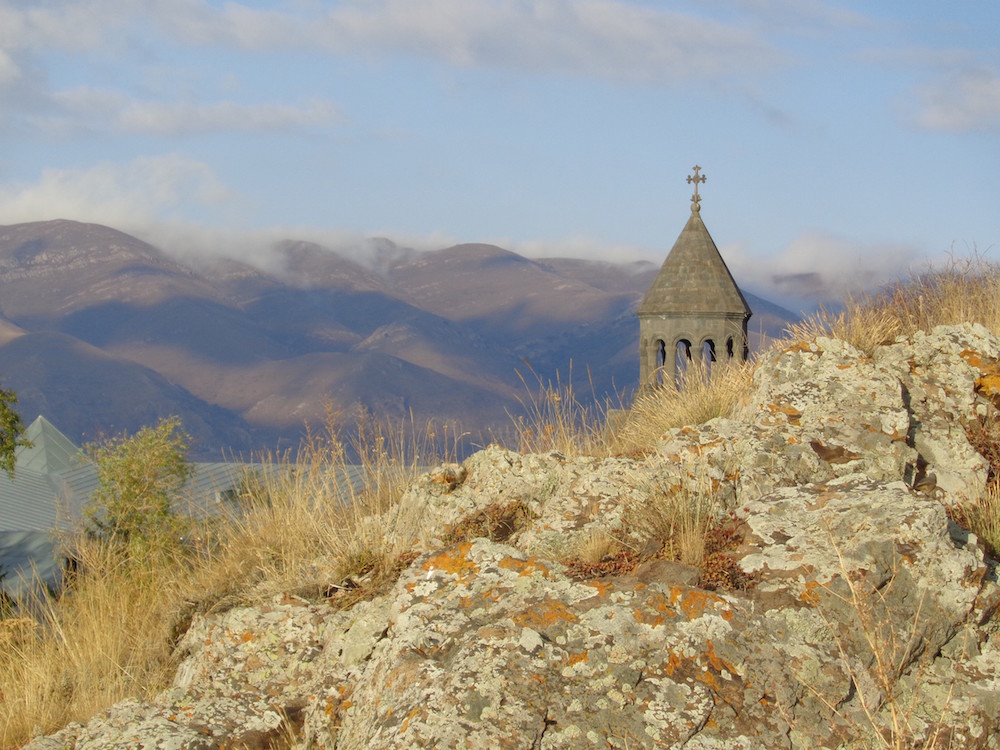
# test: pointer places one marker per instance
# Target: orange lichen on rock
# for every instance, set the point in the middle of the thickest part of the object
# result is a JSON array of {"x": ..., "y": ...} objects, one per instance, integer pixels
[
  {"x": 603, "y": 587},
  {"x": 406, "y": 721},
  {"x": 523, "y": 568},
  {"x": 544, "y": 614},
  {"x": 793, "y": 415},
  {"x": 810, "y": 595},
  {"x": 717, "y": 662},
  {"x": 988, "y": 382},
  {"x": 454, "y": 561},
  {"x": 695, "y": 602},
  {"x": 655, "y": 611}
]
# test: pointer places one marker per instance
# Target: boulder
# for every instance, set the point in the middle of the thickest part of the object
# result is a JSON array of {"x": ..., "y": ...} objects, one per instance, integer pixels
[{"x": 871, "y": 618}]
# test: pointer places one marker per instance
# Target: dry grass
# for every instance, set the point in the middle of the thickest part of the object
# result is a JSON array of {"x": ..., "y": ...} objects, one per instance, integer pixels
[
  {"x": 677, "y": 514},
  {"x": 105, "y": 639},
  {"x": 980, "y": 514},
  {"x": 702, "y": 395},
  {"x": 595, "y": 546},
  {"x": 966, "y": 290},
  {"x": 111, "y": 634},
  {"x": 556, "y": 419}
]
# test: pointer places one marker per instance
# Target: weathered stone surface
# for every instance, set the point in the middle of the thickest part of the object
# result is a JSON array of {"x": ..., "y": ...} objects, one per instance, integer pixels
[
  {"x": 568, "y": 498},
  {"x": 871, "y": 613}
]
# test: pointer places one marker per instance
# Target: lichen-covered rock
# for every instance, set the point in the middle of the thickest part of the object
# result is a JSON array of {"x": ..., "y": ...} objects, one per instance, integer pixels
[
  {"x": 872, "y": 618},
  {"x": 490, "y": 648},
  {"x": 566, "y": 498},
  {"x": 946, "y": 380},
  {"x": 824, "y": 410}
]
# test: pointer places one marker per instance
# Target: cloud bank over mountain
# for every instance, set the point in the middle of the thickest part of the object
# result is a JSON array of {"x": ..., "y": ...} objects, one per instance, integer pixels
[{"x": 843, "y": 144}]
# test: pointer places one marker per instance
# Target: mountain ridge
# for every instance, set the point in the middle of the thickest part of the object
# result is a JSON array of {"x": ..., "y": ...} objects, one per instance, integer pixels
[{"x": 249, "y": 354}]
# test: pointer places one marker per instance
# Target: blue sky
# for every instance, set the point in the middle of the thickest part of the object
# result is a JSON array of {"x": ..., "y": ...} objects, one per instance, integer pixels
[{"x": 845, "y": 143}]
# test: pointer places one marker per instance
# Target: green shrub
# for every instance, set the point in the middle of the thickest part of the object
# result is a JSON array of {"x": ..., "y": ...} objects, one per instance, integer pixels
[
  {"x": 139, "y": 478},
  {"x": 11, "y": 429}
]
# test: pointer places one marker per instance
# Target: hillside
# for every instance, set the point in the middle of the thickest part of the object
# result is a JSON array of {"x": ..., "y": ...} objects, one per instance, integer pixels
[
  {"x": 104, "y": 332},
  {"x": 837, "y": 602}
]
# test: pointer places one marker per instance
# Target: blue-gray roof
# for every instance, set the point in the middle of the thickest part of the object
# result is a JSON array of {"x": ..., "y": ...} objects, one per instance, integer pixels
[{"x": 52, "y": 482}]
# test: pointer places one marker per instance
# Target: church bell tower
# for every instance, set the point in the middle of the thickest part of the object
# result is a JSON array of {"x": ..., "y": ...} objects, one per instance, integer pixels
[{"x": 694, "y": 309}]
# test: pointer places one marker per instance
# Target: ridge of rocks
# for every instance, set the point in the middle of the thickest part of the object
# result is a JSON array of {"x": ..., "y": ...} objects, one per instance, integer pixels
[{"x": 872, "y": 617}]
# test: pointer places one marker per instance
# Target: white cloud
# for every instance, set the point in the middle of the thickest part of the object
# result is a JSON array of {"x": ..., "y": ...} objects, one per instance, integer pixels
[
  {"x": 604, "y": 38},
  {"x": 966, "y": 101},
  {"x": 9, "y": 70},
  {"x": 818, "y": 266},
  {"x": 601, "y": 38},
  {"x": 67, "y": 25},
  {"x": 125, "y": 196},
  {"x": 184, "y": 117},
  {"x": 578, "y": 247},
  {"x": 115, "y": 110}
]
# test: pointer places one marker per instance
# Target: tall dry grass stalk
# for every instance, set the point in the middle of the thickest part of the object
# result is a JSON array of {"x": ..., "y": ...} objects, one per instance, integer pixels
[
  {"x": 893, "y": 648},
  {"x": 966, "y": 290},
  {"x": 981, "y": 516},
  {"x": 556, "y": 419},
  {"x": 111, "y": 633},
  {"x": 102, "y": 641},
  {"x": 703, "y": 394},
  {"x": 322, "y": 506},
  {"x": 981, "y": 512}
]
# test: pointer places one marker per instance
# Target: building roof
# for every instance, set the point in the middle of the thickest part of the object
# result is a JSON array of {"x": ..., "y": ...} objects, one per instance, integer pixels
[
  {"x": 53, "y": 479},
  {"x": 49, "y": 451},
  {"x": 52, "y": 482},
  {"x": 694, "y": 279}
]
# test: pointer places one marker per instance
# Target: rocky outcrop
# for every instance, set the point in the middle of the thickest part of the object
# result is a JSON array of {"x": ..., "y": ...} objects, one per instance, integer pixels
[{"x": 871, "y": 618}]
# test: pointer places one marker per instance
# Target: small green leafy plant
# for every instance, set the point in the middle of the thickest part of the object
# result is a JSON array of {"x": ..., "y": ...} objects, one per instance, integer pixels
[{"x": 139, "y": 480}]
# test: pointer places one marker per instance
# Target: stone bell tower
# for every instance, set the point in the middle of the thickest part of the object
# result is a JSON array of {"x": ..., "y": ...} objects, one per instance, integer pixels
[{"x": 693, "y": 309}]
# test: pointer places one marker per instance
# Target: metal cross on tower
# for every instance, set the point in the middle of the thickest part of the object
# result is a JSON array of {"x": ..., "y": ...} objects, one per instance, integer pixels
[{"x": 696, "y": 199}]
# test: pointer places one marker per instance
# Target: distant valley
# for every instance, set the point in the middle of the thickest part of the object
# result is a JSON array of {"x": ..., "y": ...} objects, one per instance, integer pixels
[{"x": 102, "y": 332}]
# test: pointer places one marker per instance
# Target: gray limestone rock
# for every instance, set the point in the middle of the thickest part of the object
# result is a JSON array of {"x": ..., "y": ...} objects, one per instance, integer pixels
[{"x": 871, "y": 614}]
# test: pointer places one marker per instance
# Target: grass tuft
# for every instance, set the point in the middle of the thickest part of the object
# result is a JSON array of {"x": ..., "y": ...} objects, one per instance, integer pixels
[
  {"x": 111, "y": 633},
  {"x": 703, "y": 395},
  {"x": 966, "y": 290},
  {"x": 556, "y": 419}
]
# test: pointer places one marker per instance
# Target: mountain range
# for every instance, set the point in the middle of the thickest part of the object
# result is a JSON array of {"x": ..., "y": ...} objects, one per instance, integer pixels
[{"x": 101, "y": 333}]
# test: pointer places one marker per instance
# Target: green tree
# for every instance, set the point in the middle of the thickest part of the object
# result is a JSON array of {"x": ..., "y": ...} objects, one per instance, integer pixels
[
  {"x": 11, "y": 430},
  {"x": 139, "y": 477}
]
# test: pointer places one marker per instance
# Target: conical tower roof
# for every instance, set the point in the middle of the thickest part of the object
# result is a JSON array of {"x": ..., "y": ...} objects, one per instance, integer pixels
[{"x": 694, "y": 278}]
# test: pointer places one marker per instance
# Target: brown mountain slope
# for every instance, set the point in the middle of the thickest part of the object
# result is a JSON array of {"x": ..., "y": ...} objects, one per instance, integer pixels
[
  {"x": 53, "y": 268},
  {"x": 88, "y": 393},
  {"x": 100, "y": 331},
  {"x": 499, "y": 293}
]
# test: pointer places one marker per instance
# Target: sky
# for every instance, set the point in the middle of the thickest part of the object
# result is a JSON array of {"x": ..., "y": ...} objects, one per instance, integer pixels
[{"x": 845, "y": 144}]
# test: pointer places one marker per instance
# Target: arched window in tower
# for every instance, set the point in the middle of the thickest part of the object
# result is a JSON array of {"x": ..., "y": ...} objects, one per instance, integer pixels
[
  {"x": 707, "y": 357},
  {"x": 729, "y": 348},
  {"x": 682, "y": 358},
  {"x": 707, "y": 351},
  {"x": 661, "y": 360}
]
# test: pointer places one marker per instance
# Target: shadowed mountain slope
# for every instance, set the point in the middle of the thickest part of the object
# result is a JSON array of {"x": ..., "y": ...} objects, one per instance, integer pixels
[
  {"x": 100, "y": 331},
  {"x": 93, "y": 394}
]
